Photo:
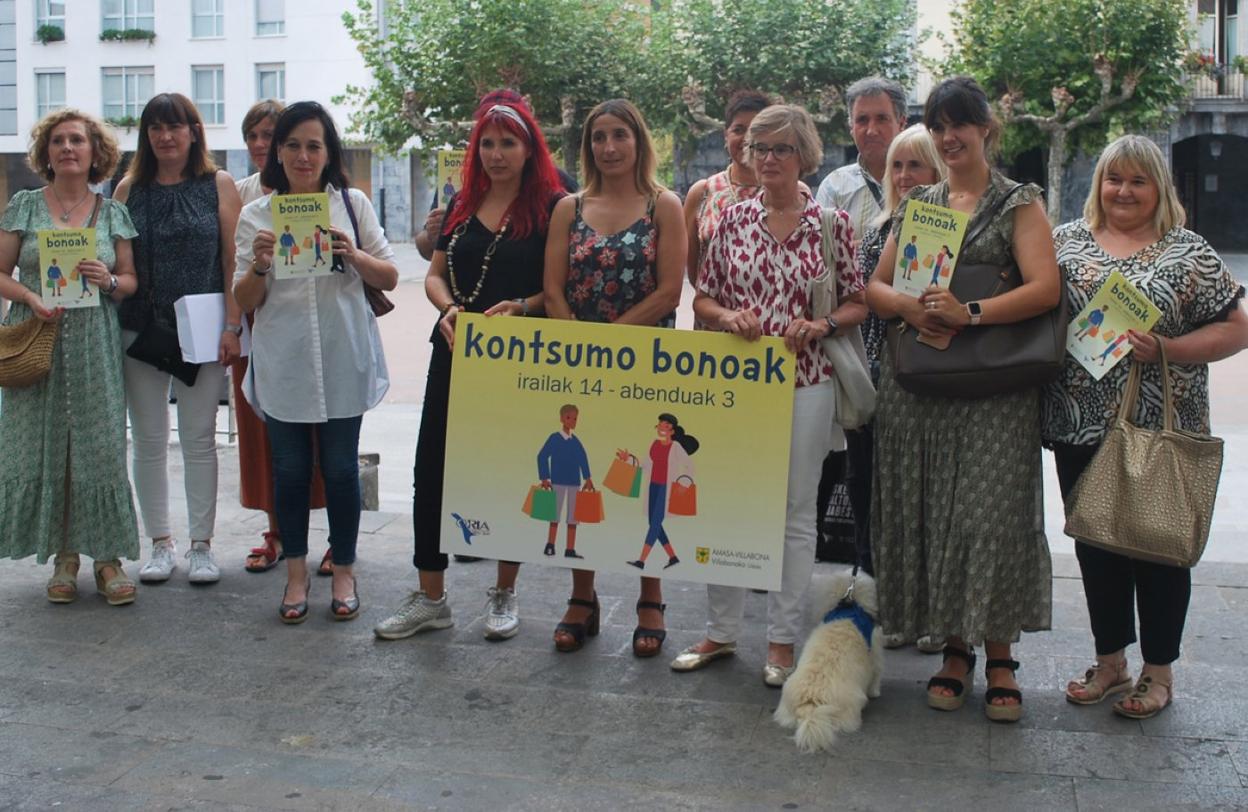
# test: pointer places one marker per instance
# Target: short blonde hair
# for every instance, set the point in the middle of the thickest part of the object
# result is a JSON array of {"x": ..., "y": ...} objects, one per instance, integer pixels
[
  {"x": 918, "y": 140},
  {"x": 104, "y": 150},
  {"x": 1142, "y": 155},
  {"x": 780, "y": 117}
]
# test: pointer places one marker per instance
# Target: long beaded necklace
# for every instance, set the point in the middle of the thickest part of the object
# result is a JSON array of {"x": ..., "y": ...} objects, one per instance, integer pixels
[{"x": 485, "y": 262}]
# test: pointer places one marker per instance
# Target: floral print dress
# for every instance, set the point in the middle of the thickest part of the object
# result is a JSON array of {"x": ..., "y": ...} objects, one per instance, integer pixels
[{"x": 610, "y": 273}]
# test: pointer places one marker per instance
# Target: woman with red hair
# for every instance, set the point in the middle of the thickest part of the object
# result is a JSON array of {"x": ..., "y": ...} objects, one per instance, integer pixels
[{"x": 488, "y": 259}]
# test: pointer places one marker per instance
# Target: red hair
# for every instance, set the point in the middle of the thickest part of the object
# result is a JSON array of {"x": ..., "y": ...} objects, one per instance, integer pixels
[{"x": 539, "y": 183}]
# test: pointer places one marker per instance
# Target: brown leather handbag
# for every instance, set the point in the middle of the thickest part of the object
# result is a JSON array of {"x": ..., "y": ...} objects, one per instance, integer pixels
[{"x": 987, "y": 359}]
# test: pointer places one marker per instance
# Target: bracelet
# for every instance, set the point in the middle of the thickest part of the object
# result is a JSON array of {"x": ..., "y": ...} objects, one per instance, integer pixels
[
  {"x": 256, "y": 269},
  {"x": 234, "y": 329},
  {"x": 112, "y": 284},
  {"x": 447, "y": 309},
  {"x": 524, "y": 305}
]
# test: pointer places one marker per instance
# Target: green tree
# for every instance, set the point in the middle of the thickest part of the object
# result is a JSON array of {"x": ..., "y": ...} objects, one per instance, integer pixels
[
  {"x": 1068, "y": 73},
  {"x": 808, "y": 51},
  {"x": 434, "y": 59}
]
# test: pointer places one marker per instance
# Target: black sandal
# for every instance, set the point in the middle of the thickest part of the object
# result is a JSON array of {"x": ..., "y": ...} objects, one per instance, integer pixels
[
  {"x": 579, "y": 630},
  {"x": 1003, "y": 713},
  {"x": 960, "y": 687},
  {"x": 300, "y": 609},
  {"x": 351, "y": 604},
  {"x": 643, "y": 633}
]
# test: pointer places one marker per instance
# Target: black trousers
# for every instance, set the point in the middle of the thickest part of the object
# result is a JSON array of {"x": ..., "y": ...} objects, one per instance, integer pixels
[
  {"x": 430, "y": 462},
  {"x": 1116, "y": 585}
]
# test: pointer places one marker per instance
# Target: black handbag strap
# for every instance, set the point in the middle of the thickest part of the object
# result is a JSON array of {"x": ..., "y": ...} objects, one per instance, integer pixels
[
  {"x": 355, "y": 224},
  {"x": 988, "y": 216}
]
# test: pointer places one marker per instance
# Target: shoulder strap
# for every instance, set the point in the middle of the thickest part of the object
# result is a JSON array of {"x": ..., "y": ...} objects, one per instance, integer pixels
[
  {"x": 580, "y": 198},
  {"x": 95, "y": 212},
  {"x": 355, "y": 225},
  {"x": 987, "y": 217},
  {"x": 872, "y": 187},
  {"x": 650, "y": 207}
]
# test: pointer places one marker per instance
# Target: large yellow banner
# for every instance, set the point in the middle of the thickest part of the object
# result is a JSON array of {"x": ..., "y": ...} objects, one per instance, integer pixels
[{"x": 620, "y": 449}]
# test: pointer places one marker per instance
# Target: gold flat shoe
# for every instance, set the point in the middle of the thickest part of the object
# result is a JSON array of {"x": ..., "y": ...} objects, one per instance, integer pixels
[
  {"x": 692, "y": 660},
  {"x": 774, "y": 676}
]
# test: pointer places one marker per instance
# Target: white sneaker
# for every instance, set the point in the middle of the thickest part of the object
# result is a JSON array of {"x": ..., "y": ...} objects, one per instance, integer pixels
[
  {"x": 162, "y": 563},
  {"x": 895, "y": 640},
  {"x": 202, "y": 569},
  {"x": 503, "y": 618},
  {"x": 417, "y": 614}
]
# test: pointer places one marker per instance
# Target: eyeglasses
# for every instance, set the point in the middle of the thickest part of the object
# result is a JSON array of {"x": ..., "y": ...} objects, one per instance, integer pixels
[{"x": 781, "y": 151}]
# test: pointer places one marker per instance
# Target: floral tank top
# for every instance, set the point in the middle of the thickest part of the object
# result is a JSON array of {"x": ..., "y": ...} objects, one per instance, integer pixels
[
  {"x": 610, "y": 273},
  {"x": 720, "y": 193}
]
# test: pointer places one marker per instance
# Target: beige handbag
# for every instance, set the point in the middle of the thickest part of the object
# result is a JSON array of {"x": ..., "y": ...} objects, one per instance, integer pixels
[
  {"x": 26, "y": 352},
  {"x": 855, "y": 394},
  {"x": 1148, "y": 494}
]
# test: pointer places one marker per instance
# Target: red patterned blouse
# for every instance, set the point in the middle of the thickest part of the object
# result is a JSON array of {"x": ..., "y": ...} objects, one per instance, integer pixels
[{"x": 746, "y": 268}]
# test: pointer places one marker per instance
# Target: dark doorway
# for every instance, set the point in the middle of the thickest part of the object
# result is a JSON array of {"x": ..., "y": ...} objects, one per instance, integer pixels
[{"x": 1210, "y": 172}]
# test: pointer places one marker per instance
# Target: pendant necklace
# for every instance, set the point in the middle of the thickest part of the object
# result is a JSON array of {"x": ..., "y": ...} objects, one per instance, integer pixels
[{"x": 65, "y": 213}]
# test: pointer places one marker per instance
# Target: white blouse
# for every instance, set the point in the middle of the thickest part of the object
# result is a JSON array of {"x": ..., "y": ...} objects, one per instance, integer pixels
[
  {"x": 249, "y": 188},
  {"x": 316, "y": 353}
]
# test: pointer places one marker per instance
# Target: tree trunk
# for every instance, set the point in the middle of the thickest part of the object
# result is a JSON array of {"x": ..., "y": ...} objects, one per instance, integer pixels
[
  {"x": 1057, "y": 164},
  {"x": 571, "y": 150}
]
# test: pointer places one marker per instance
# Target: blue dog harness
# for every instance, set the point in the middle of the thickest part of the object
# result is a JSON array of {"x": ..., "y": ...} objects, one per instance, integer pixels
[{"x": 854, "y": 613}]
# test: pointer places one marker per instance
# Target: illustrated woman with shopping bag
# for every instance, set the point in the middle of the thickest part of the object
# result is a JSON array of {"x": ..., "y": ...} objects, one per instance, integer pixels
[{"x": 667, "y": 475}]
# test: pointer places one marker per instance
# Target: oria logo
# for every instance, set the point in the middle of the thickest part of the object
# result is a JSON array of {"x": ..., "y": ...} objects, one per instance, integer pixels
[
  {"x": 702, "y": 555},
  {"x": 471, "y": 527}
]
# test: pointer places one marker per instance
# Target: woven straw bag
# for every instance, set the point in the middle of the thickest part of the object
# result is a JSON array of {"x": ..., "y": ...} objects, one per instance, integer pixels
[
  {"x": 26, "y": 352},
  {"x": 1148, "y": 494}
]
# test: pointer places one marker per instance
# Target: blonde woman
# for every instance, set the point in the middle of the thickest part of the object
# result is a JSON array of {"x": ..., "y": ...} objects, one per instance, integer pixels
[
  {"x": 1133, "y": 224},
  {"x": 63, "y": 484},
  {"x": 615, "y": 253}
]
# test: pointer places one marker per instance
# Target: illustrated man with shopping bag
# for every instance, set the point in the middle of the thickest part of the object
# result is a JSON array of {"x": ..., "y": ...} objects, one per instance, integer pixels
[{"x": 562, "y": 464}]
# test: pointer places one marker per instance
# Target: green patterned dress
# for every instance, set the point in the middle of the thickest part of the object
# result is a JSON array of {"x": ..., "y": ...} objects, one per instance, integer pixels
[
  {"x": 957, "y": 526},
  {"x": 64, "y": 438}
]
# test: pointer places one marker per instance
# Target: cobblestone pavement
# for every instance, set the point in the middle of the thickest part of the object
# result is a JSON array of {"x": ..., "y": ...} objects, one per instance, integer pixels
[{"x": 198, "y": 697}]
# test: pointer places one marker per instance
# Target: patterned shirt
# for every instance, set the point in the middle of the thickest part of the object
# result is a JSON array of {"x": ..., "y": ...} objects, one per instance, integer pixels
[
  {"x": 1191, "y": 286},
  {"x": 720, "y": 193},
  {"x": 746, "y": 268}
]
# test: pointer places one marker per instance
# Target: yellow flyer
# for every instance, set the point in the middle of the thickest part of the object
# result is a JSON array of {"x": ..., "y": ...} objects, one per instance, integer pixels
[
  {"x": 60, "y": 251},
  {"x": 622, "y": 449},
  {"x": 928, "y": 248},
  {"x": 304, "y": 247},
  {"x": 1097, "y": 338},
  {"x": 450, "y": 174}
]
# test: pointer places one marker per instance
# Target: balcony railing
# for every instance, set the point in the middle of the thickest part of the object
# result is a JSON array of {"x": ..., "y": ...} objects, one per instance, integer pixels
[{"x": 1223, "y": 83}]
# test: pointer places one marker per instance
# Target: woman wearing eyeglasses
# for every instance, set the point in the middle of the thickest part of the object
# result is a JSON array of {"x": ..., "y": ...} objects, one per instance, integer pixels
[{"x": 766, "y": 291}]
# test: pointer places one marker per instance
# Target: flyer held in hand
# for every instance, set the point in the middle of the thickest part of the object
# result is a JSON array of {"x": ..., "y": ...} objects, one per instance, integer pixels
[
  {"x": 60, "y": 283},
  {"x": 1097, "y": 338},
  {"x": 642, "y": 450},
  {"x": 304, "y": 246},
  {"x": 928, "y": 247}
]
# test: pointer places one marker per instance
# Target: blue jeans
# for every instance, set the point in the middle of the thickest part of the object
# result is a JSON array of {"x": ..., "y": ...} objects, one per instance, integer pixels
[
  {"x": 338, "y": 444},
  {"x": 657, "y": 510}
]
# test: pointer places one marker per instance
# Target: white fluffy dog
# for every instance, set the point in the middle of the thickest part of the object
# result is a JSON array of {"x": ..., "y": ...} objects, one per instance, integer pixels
[{"x": 837, "y": 672}]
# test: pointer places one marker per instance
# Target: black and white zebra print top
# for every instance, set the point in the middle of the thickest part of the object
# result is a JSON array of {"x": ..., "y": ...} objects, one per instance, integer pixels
[{"x": 1186, "y": 279}]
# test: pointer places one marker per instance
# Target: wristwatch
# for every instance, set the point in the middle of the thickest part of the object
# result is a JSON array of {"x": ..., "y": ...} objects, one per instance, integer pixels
[
  {"x": 524, "y": 305},
  {"x": 832, "y": 325},
  {"x": 236, "y": 329},
  {"x": 258, "y": 271},
  {"x": 112, "y": 285},
  {"x": 975, "y": 311}
]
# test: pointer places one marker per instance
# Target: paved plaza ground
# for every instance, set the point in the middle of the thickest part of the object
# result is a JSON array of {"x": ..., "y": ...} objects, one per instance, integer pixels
[{"x": 199, "y": 698}]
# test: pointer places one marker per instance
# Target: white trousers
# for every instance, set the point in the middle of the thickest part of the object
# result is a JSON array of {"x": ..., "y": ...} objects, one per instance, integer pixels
[
  {"x": 811, "y": 441},
  {"x": 147, "y": 401}
]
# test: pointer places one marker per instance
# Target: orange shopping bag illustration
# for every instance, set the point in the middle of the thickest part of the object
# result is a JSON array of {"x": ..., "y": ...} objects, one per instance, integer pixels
[
  {"x": 624, "y": 478},
  {"x": 683, "y": 499},
  {"x": 589, "y": 508}
]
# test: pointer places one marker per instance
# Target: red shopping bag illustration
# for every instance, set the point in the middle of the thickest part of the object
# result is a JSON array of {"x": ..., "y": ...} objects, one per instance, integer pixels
[
  {"x": 589, "y": 508},
  {"x": 683, "y": 499}
]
